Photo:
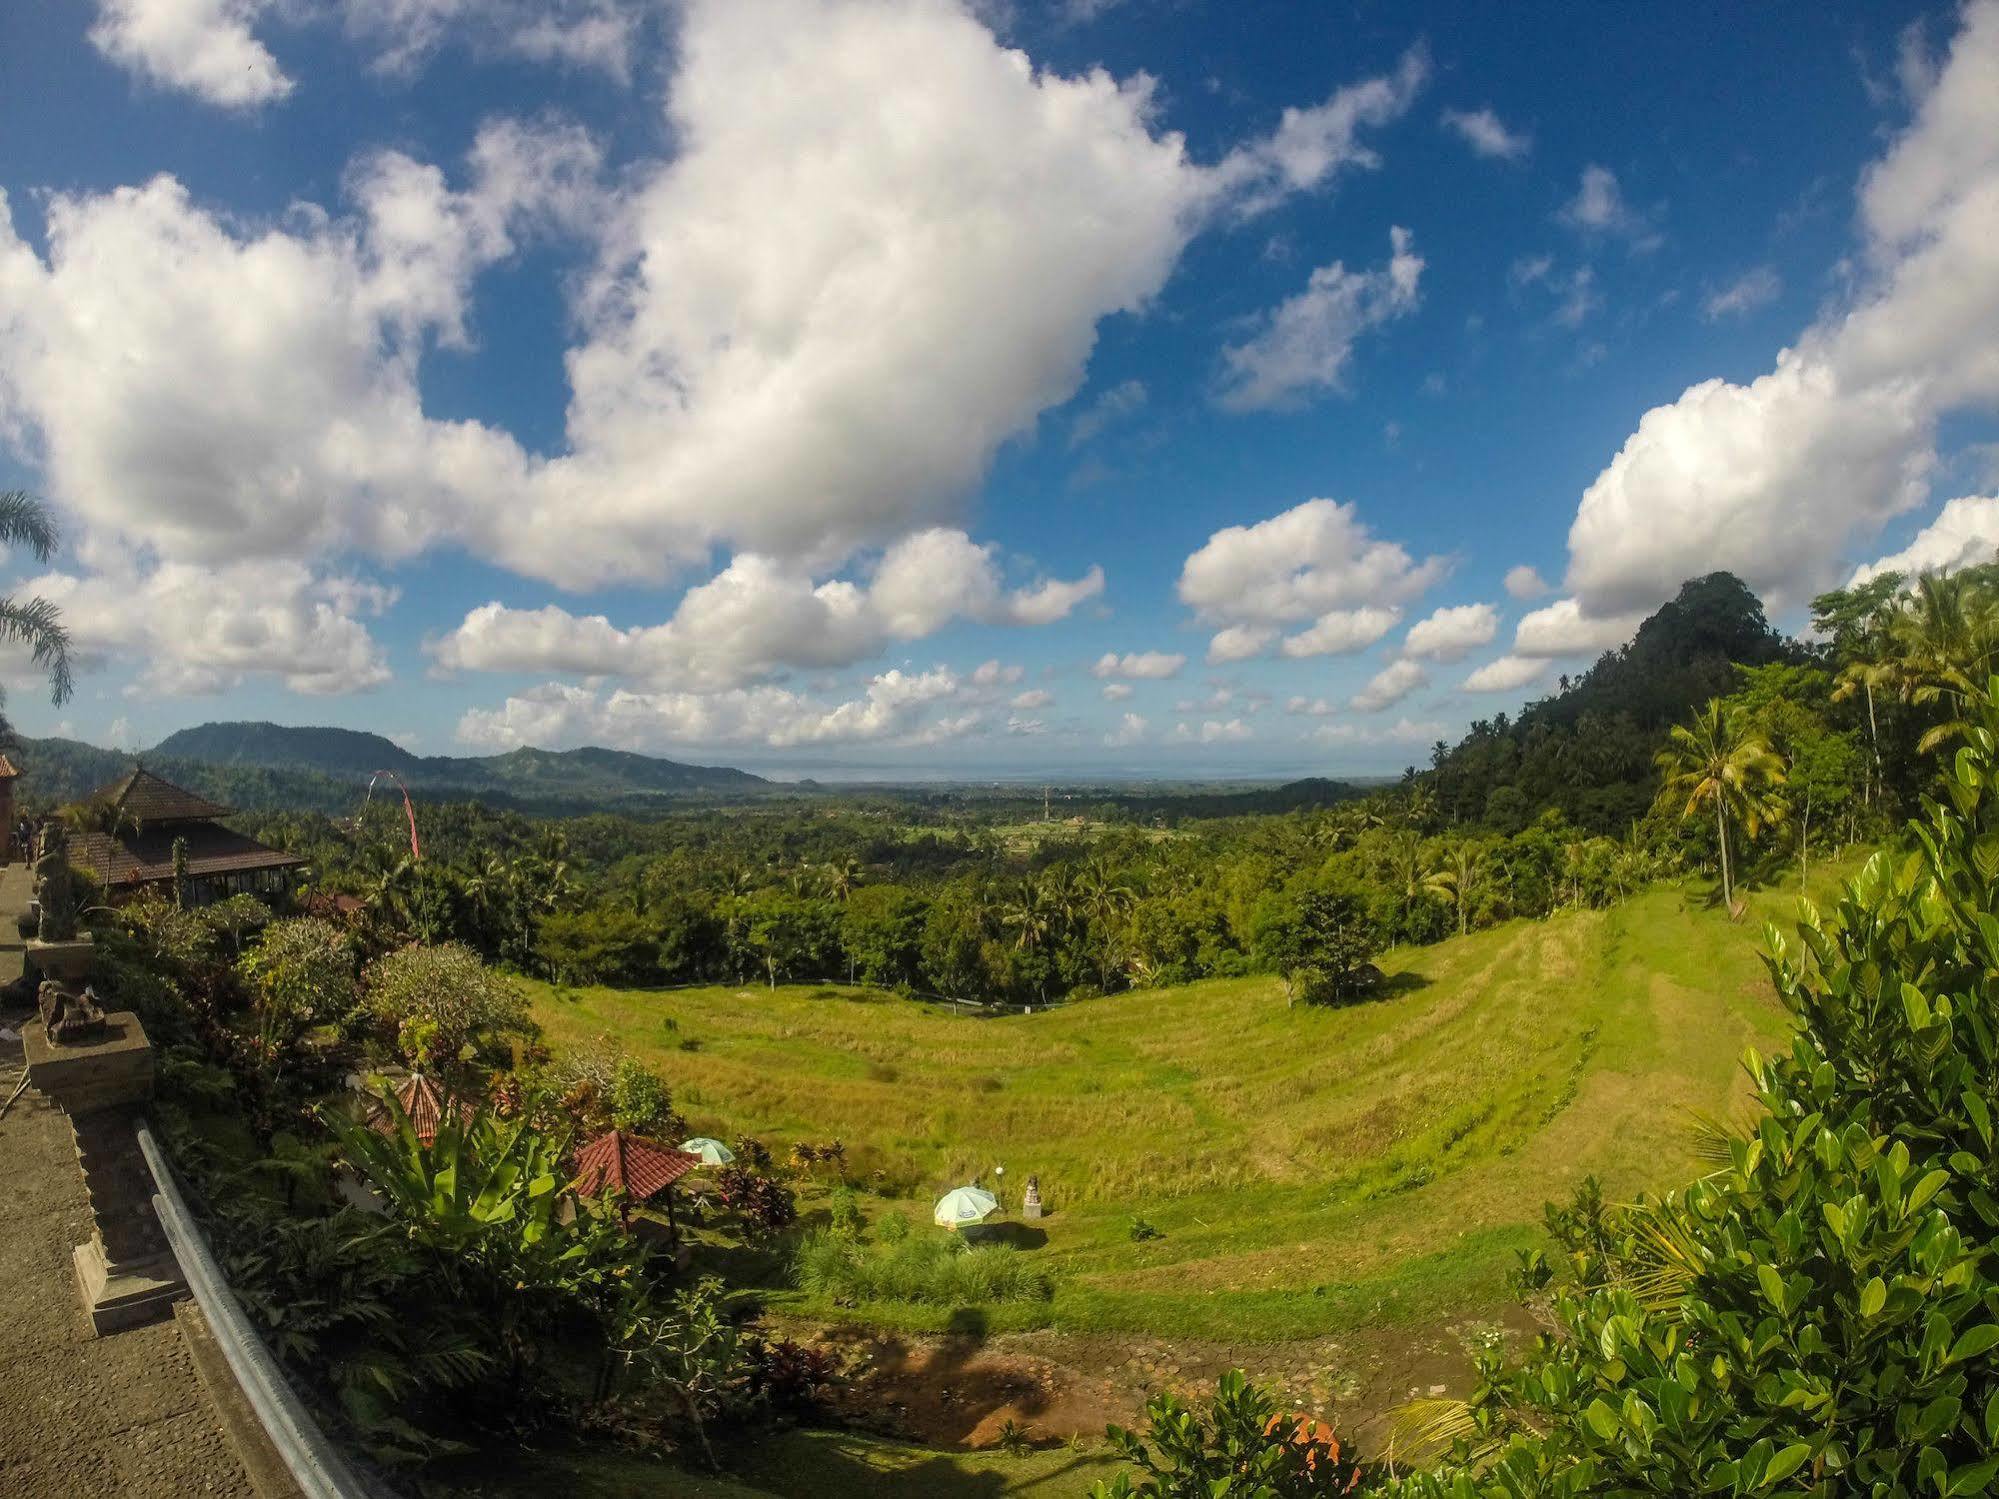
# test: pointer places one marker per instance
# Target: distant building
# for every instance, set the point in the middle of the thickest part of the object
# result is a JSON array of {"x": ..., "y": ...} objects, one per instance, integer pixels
[{"x": 146, "y": 816}]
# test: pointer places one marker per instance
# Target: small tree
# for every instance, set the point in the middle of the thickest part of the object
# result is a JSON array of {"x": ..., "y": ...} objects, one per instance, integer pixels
[
  {"x": 300, "y": 975},
  {"x": 441, "y": 1000},
  {"x": 1241, "y": 1447},
  {"x": 1319, "y": 940}
]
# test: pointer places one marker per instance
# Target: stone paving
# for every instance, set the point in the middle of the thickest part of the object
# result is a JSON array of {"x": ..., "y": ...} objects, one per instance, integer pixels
[{"x": 79, "y": 1415}]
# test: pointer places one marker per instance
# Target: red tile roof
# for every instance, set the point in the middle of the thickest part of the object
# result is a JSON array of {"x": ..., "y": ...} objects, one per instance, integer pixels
[
  {"x": 638, "y": 1167},
  {"x": 425, "y": 1104},
  {"x": 7, "y": 770}
]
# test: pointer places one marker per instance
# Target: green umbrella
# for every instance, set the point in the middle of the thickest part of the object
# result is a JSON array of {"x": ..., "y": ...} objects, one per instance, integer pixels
[
  {"x": 965, "y": 1205},
  {"x": 712, "y": 1152}
]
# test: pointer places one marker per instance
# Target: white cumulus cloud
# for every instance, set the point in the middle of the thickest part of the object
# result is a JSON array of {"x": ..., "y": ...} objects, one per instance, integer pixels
[
  {"x": 1452, "y": 633},
  {"x": 1965, "y": 532},
  {"x": 1145, "y": 665},
  {"x": 1506, "y": 674},
  {"x": 760, "y": 616},
  {"x": 557, "y": 714},
  {"x": 1563, "y": 629},
  {"x": 1305, "y": 343},
  {"x": 1340, "y": 632},
  {"x": 1298, "y": 565},
  {"x": 1389, "y": 686},
  {"x": 1776, "y": 479},
  {"x": 203, "y": 46}
]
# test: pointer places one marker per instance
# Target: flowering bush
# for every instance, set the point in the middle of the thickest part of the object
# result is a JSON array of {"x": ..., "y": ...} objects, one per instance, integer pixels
[{"x": 441, "y": 1000}]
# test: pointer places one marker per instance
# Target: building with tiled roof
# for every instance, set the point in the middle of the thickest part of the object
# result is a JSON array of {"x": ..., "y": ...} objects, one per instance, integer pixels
[
  {"x": 639, "y": 1168},
  {"x": 146, "y": 815},
  {"x": 424, "y": 1104}
]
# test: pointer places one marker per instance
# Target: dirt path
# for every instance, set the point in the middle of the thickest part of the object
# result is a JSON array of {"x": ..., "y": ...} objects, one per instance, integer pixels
[{"x": 960, "y": 1392}]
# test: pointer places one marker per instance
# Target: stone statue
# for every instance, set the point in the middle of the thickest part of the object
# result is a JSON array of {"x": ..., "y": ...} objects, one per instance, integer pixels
[
  {"x": 1030, "y": 1205},
  {"x": 55, "y": 888},
  {"x": 69, "y": 1017}
]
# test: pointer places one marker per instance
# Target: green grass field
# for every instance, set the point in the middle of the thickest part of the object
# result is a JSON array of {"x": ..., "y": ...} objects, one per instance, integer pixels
[{"x": 1310, "y": 1171}]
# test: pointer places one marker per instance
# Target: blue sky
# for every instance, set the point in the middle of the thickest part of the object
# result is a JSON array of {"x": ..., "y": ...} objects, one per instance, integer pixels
[{"x": 909, "y": 388}]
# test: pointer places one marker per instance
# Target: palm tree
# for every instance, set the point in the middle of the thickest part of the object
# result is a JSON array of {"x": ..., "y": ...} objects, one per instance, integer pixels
[
  {"x": 1947, "y": 633},
  {"x": 1719, "y": 760},
  {"x": 1461, "y": 879},
  {"x": 1883, "y": 673},
  {"x": 1103, "y": 900},
  {"x": 35, "y": 622},
  {"x": 843, "y": 878},
  {"x": 1408, "y": 867},
  {"x": 1029, "y": 915}
]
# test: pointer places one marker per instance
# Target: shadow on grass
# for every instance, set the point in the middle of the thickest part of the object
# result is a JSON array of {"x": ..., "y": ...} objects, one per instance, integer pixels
[{"x": 1012, "y": 1235}]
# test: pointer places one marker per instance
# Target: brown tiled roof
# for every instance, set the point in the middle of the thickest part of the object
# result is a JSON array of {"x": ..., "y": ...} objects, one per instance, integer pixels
[
  {"x": 424, "y": 1102},
  {"x": 7, "y": 770},
  {"x": 144, "y": 798},
  {"x": 640, "y": 1168},
  {"x": 137, "y": 858}
]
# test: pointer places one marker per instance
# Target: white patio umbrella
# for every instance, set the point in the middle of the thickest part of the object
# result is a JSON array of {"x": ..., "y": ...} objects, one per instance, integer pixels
[
  {"x": 712, "y": 1151},
  {"x": 964, "y": 1205}
]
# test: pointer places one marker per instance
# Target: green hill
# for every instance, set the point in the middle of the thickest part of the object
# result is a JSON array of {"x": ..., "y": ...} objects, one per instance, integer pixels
[
  {"x": 1588, "y": 747},
  {"x": 523, "y": 777},
  {"x": 276, "y": 767},
  {"x": 348, "y": 753},
  {"x": 1310, "y": 1171}
]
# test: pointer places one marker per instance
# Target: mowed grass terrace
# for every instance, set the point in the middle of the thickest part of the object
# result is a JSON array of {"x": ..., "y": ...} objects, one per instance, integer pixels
[{"x": 1309, "y": 1170}]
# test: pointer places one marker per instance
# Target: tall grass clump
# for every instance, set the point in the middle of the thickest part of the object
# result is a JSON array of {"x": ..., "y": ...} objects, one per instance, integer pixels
[{"x": 933, "y": 1271}]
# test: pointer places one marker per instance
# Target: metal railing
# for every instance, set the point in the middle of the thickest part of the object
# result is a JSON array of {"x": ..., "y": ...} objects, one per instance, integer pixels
[{"x": 315, "y": 1465}]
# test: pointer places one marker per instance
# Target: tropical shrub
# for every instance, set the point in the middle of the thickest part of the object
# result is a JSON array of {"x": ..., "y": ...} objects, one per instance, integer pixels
[
  {"x": 300, "y": 974},
  {"x": 765, "y": 1205},
  {"x": 1821, "y": 1315},
  {"x": 441, "y": 1000},
  {"x": 936, "y": 1270},
  {"x": 689, "y": 1354},
  {"x": 640, "y": 1101},
  {"x": 350, "y": 1295},
  {"x": 484, "y": 1199},
  {"x": 1241, "y": 1447}
]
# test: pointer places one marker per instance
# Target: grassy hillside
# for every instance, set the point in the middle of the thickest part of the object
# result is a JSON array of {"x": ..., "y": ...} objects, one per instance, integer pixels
[{"x": 1310, "y": 1170}]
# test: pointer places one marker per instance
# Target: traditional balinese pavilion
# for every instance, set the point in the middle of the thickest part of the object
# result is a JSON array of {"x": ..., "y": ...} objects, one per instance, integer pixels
[
  {"x": 424, "y": 1104},
  {"x": 641, "y": 1169},
  {"x": 147, "y": 816}
]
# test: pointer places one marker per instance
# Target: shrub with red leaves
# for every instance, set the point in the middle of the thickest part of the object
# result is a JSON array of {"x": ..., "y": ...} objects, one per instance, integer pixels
[
  {"x": 789, "y": 1375},
  {"x": 763, "y": 1204}
]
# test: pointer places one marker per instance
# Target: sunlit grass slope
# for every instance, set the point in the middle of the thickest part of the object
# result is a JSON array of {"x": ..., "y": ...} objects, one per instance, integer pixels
[{"x": 1309, "y": 1170}]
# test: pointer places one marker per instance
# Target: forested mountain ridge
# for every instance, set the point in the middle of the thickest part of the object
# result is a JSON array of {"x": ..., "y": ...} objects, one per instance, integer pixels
[
  {"x": 1588, "y": 749},
  {"x": 529, "y": 775},
  {"x": 272, "y": 767}
]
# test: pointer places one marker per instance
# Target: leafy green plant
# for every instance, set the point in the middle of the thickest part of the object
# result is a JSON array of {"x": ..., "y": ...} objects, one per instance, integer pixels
[
  {"x": 441, "y": 1000},
  {"x": 1820, "y": 1315},
  {"x": 300, "y": 974},
  {"x": 940, "y": 1270},
  {"x": 640, "y": 1101},
  {"x": 485, "y": 1197},
  {"x": 1140, "y": 1231},
  {"x": 1013, "y": 1439},
  {"x": 691, "y": 1354},
  {"x": 1241, "y": 1447}
]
